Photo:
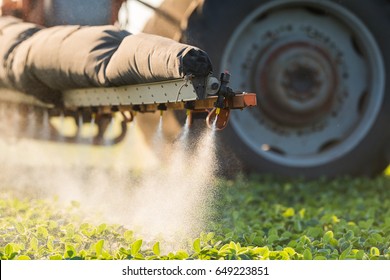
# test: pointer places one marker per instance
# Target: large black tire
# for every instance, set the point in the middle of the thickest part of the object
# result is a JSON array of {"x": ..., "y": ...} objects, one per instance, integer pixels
[{"x": 319, "y": 71}]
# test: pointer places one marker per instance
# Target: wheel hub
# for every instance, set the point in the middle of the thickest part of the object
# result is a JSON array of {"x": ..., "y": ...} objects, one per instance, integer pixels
[{"x": 297, "y": 82}]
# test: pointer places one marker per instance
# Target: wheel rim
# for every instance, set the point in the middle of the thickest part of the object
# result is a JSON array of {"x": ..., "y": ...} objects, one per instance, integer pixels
[{"x": 319, "y": 79}]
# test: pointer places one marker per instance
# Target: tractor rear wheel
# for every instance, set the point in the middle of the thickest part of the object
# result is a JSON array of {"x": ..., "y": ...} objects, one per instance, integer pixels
[{"x": 319, "y": 71}]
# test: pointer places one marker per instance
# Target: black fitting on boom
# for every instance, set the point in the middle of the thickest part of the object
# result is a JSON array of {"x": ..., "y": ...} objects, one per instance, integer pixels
[{"x": 224, "y": 91}]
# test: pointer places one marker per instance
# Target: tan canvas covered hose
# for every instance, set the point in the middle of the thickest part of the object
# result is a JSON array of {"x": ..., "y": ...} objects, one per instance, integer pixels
[{"x": 43, "y": 61}]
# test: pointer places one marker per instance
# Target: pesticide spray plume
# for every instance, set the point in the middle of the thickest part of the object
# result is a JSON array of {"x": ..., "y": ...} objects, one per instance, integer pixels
[{"x": 163, "y": 196}]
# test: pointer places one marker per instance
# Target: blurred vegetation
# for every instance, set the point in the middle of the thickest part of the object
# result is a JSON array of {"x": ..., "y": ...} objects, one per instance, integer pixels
[{"x": 253, "y": 218}]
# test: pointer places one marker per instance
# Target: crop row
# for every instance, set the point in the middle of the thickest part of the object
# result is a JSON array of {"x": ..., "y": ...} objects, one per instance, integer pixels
[{"x": 257, "y": 218}]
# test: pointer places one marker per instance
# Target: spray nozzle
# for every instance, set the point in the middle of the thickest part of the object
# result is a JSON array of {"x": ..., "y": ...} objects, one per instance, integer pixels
[{"x": 162, "y": 107}]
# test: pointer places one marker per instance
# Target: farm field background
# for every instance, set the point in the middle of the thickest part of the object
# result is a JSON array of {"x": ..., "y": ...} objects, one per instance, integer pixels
[
  {"x": 252, "y": 218},
  {"x": 80, "y": 202}
]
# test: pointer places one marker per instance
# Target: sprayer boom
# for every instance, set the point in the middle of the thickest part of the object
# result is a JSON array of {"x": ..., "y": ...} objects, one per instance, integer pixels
[{"x": 98, "y": 105}]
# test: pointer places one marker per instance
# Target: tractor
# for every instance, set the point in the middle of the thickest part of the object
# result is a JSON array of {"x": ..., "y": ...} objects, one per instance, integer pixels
[{"x": 319, "y": 69}]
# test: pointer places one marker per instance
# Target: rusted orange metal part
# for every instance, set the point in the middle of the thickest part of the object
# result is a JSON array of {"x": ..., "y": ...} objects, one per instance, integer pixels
[
  {"x": 239, "y": 101},
  {"x": 218, "y": 118},
  {"x": 28, "y": 10},
  {"x": 12, "y": 8},
  {"x": 218, "y": 121}
]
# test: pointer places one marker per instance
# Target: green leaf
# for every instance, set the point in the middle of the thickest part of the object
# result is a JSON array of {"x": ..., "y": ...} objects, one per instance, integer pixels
[
  {"x": 136, "y": 246},
  {"x": 23, "y": 258},
  {"x": 34, "y": 244},
  {"x": 128, "y": 235},
  {"x": 83, "y": 254},
  {"x": 20, "y": 228},
  {"x": 374, "y": 251},
  {"x": 335, "y": 219},
  {"x": 101, "y": 228},
  {"x": 107, "y": 256},
  {"x": 56, "y": 257},
  {"x": 42, "y": 232},
  {"x": 234, "y": 246},
  {"x": 302, "y": 213},
  {"x": 262, "y": 251},
  {"x": 307, "y": 254},
  {"x": 49, "y": 243},
  {"x": 366, "y": 224},
  {"x": 344, "y": 244},
  {"x": 315, "y": 232},
  {"x": 298, "y": 225},
  {"x": 196, "y": 245},
  {"x": 70, "y": 251},
  {"x": 333, "y": 242},
  {"x": 244, "y": 257},
  {"x": 99, "y": 247},
  {"x": 272, "y": 238},
  {"x": 289, "y": 251},
  {"x": 250, "y": 238},
  {"x": 8, "y": 250},
  {"x": 304, "y": 240},
  {"x": 328, "y": 236},
  {"x": 349, "y": 235},
  {"x": 156, "y": 248},
  {"x": 290, "y": 212},
  {"x": 52, "y": 225},
  {"x": 377, "y": 237},
  {"x": 344, "y": 255},
  {"x": 70, "y": 229},
  {"x": 360, "y": 255},
  {"x": 181, "y": 255},
  {"x": 210, "y": 236}
]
